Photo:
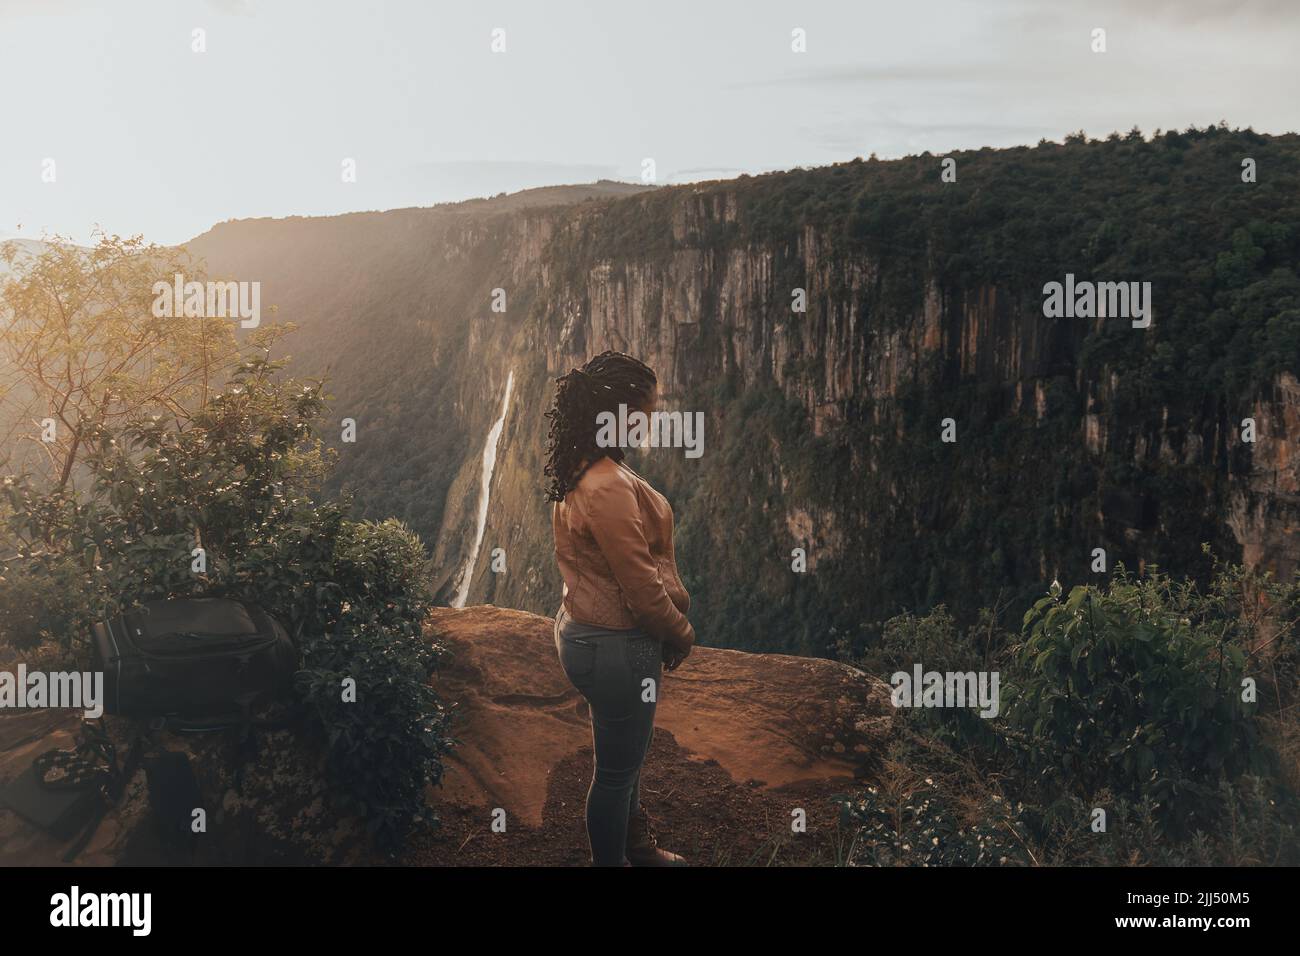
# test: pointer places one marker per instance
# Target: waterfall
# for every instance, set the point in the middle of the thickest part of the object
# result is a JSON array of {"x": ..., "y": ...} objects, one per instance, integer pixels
[{"x": 484, "y": 495}]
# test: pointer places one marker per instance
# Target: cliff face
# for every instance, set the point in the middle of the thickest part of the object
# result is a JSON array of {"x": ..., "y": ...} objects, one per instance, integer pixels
[
  {"x": 1264, "y": 504},
  {"x": 823, "y": 427}
]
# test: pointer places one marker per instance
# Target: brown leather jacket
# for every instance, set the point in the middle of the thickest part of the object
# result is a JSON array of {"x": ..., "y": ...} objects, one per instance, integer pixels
[{"x": 614, "y": 545}]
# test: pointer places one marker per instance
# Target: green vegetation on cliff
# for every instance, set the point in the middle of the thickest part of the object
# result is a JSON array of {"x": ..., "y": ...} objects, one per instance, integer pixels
[
  {"x": 1146, "y": 721},
  {"x": 1020, "y": 497}
]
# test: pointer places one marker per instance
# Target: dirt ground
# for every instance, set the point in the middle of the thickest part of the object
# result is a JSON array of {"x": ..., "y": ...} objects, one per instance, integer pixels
[{"x": 696, "y": 808}]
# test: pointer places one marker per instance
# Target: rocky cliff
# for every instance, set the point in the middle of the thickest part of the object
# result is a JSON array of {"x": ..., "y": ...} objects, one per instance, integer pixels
[{"x": 922, "y": 303}]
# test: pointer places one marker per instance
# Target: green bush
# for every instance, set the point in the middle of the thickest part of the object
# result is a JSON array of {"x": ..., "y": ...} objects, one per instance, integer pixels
[
  {"x": 931, "y": 639},
  {"x": 1120, "y": 689},
  {"x": 241, "y": 478},
  {"x": 935, "y": 642},
  {"x": 385, "y": 744},
  {"x": 40, "y": 596},
  {"x": 1125, "y": 698},
  {"x": 1256, "y": 825}
]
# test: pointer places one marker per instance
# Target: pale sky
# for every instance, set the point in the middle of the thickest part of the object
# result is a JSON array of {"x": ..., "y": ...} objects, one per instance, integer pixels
[{"x": 150, "y": 137}]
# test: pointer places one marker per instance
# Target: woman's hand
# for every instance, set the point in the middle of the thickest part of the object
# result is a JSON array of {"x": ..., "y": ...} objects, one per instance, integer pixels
[{"x": 673, "y": 656}]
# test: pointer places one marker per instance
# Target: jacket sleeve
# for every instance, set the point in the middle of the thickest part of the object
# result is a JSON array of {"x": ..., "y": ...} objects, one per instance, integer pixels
[{"x": 615, "y": 521}]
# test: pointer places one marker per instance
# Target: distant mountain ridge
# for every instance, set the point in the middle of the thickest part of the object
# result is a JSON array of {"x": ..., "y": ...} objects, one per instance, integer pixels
[{"x": 540, "y": 196}]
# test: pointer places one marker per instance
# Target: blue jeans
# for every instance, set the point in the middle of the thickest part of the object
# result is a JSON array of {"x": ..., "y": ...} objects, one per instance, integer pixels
[{"x": 619, "y": 673}]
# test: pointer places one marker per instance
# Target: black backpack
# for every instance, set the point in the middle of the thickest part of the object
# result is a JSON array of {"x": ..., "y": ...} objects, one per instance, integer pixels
[{"x": 193, "y": 658}]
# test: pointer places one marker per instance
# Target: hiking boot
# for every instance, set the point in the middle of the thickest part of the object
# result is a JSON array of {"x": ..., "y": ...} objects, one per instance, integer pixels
[{"x": 642, "y": 847}]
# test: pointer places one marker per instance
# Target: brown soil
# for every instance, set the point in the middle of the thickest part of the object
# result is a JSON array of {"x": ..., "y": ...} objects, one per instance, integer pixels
[{"x": 697, "y": 809}]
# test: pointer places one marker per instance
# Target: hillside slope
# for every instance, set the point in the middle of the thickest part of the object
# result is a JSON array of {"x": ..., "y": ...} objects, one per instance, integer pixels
[{"x": 823, "y": 428}]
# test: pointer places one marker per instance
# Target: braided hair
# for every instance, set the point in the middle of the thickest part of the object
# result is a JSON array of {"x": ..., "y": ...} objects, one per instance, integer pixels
[{"x": 605, "y": 382}]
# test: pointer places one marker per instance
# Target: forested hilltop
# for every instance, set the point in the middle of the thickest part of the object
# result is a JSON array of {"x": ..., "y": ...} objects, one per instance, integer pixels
[{"x": 924, "y": 303}]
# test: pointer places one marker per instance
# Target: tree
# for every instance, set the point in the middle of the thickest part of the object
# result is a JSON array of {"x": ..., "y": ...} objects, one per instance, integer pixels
[{"x": 80, "y": 346}]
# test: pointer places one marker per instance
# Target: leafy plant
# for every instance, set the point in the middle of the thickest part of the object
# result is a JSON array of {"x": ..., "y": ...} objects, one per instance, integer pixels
[
  {"x": 1118, "y": 689},
  {"x": 1126, "y": 698}
]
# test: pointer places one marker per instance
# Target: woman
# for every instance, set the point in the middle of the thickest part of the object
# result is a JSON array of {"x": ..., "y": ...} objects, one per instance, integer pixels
[{"x": 622, "y": 618}]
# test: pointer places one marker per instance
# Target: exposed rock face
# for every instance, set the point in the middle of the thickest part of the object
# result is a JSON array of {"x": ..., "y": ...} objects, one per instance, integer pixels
[
  {"x": 700, "y": 314},
  {"x": 1050, "y": 461},
  {"x": 770, "y": 718},
  {"x": 1265, "y": 508}
]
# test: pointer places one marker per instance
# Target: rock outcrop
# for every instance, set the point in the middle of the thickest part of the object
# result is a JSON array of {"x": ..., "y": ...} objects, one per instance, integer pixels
[
  {"x": 765, "y": 719},
  {"x": 741, "y": 739}
]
